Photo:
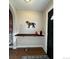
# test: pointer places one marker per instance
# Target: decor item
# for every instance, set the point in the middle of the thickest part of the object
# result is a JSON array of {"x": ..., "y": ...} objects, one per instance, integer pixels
[
  {"x": 36, "y": 33},
  {"x": 41, "y": 32},
  {"x": 30, "y": 24}
]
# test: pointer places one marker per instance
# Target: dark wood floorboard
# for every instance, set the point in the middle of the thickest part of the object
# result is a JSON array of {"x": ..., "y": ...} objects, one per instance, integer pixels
[{"x": 17, "y": 53}]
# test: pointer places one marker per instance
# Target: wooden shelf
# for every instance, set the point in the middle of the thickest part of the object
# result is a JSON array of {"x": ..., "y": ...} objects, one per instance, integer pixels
[{"x": 28, "y": 35}]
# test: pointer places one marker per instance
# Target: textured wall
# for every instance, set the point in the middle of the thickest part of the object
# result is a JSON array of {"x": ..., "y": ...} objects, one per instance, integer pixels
[{"x": 32, "y": 16}]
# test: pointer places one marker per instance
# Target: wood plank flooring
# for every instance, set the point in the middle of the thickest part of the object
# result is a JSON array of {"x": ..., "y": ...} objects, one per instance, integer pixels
[{"x": 17, "y": 53}]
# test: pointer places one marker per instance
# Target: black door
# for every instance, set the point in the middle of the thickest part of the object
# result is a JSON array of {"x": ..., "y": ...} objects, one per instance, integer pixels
[{"x": 50, "y": 35}]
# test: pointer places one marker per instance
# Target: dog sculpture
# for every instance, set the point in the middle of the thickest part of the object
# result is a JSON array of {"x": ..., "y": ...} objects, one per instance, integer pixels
[{"x": 30, "y": 24}]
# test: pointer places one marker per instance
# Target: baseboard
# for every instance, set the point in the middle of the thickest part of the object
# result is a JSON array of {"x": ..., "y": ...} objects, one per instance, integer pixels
[{"x": 28, "y": 46}]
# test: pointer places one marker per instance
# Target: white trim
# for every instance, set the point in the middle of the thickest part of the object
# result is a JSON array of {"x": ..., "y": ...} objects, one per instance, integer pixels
[
  {"x": 29, "y": 46},
  {"x": 11, "y": 7},
  {"x": 47, "y": 26}
]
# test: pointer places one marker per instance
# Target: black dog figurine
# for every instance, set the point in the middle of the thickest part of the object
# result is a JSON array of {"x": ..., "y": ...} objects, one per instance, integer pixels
[{"x": 30, "y": 24}]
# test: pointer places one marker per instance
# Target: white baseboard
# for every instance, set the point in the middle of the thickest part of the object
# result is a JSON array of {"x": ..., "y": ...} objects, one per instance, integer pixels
[{"x": 29, "y": 46}]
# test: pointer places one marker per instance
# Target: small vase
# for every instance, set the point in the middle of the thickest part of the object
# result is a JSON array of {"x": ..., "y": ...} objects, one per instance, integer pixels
[{"x": 40, "y": 32}]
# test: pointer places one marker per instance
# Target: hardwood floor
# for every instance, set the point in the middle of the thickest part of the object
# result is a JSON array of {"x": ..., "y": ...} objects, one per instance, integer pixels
[{"x": 17, "y": 53}]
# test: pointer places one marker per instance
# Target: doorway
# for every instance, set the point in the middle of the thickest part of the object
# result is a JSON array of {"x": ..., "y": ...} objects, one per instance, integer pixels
[
  {"x": 50, "y": 35},
  {"x": 10, "y": 29}
]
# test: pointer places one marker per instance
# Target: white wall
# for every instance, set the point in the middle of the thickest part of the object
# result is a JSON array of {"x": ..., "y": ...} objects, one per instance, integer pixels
[
  {"x": 32, "y": 16},
  {"x": 21, "y": 27}
]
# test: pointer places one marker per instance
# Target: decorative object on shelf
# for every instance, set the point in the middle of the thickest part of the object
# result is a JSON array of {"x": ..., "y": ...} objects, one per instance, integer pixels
[
  {"x": 36, "y": 33},
  {"x": 41, "y": 32},
  {"x": 30, "y": 24}
]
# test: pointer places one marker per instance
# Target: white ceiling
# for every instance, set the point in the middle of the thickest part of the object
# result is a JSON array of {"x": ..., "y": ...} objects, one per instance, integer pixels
[{"x": 38, "y": 5}]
